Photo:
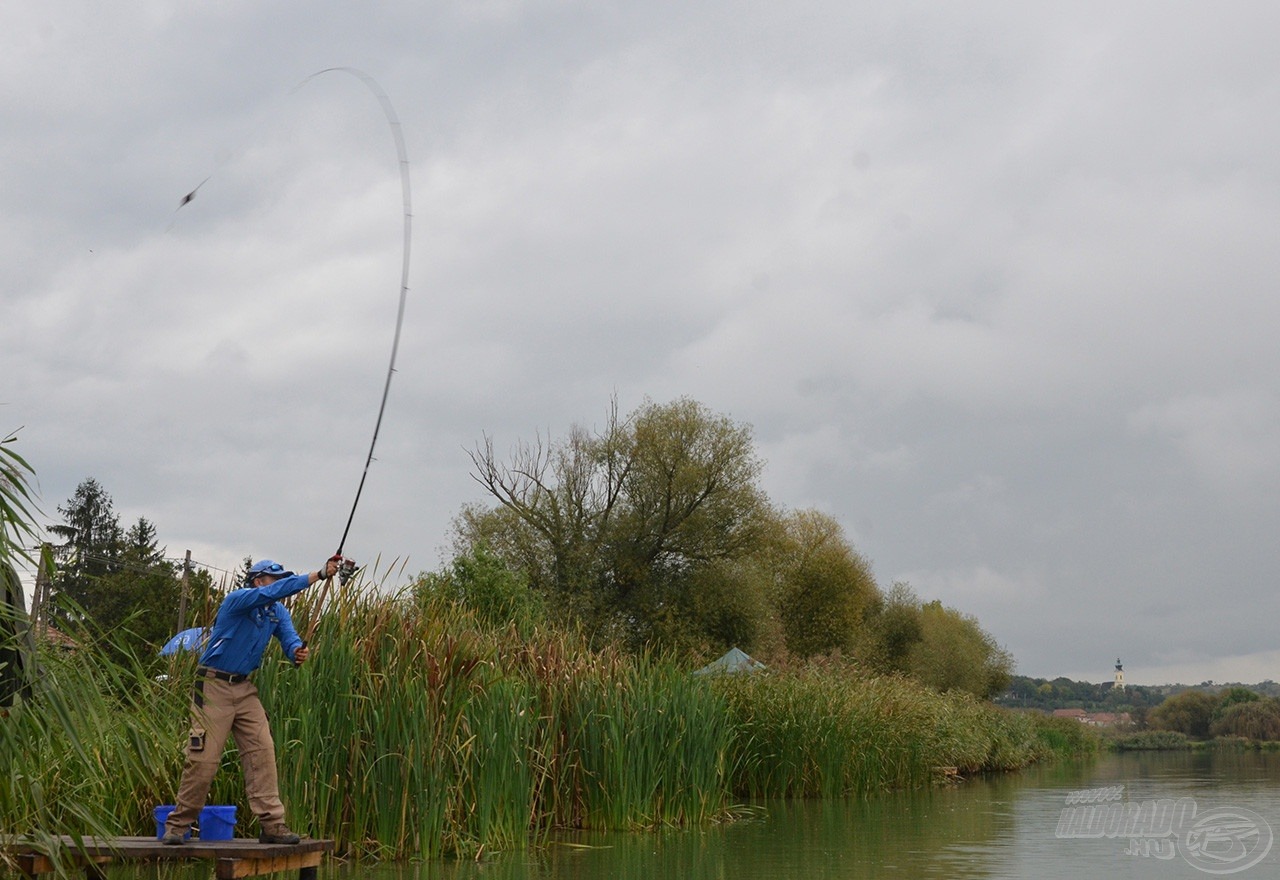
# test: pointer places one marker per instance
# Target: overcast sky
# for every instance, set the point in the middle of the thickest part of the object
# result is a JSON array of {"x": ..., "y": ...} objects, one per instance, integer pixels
[{"x": 995, "y": 284}]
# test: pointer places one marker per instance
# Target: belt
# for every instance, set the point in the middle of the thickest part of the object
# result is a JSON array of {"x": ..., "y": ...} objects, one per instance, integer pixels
[{"x": 230, "y": 677}]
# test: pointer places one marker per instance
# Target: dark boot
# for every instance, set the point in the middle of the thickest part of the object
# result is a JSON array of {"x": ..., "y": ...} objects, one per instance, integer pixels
[{"x": 278, "y": 834}]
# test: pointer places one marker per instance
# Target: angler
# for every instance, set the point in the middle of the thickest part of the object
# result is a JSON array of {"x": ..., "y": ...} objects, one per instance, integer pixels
[{"x": 225, "y": 702}]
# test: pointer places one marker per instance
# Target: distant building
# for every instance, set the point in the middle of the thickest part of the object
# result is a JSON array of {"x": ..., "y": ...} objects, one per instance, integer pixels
[
  {"x": 1119, "y": 684},
  {"x": 1095, "y": 719}
]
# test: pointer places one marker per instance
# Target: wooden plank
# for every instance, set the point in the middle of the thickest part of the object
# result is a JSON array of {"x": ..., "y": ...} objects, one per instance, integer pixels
[
  {"x": 245, "y": 857},
  {"x": 231, "y": 868},
  {"x": 33, "y": 864}
]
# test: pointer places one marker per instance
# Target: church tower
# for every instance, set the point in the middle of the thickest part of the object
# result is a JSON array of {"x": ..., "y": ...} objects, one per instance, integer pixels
[{"x": 1119, "y": 685}]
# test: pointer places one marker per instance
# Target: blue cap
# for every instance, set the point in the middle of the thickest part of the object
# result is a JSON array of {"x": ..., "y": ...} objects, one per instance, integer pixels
[{"x": 267, "y": 567}]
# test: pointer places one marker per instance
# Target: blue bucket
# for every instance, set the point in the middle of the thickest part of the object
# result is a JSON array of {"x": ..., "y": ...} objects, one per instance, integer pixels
[
  {"x": 216, "y": 823},
  {"x": 162, "y": 815}
]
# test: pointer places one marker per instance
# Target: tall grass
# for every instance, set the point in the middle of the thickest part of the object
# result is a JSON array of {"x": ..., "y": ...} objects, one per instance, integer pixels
[
  {"x": 416, "y": 731},
  {"x": 87, "y": 751},
  {"x": 825, "y": 733},
  {"x": 1066, "y": 737}
]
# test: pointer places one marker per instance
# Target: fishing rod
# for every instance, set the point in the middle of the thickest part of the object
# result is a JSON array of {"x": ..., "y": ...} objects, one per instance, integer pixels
[{"x": 347, "y": 567}]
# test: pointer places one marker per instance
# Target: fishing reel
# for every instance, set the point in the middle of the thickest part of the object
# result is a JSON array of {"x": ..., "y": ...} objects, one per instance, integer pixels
[{"x": 346, "y": 568}]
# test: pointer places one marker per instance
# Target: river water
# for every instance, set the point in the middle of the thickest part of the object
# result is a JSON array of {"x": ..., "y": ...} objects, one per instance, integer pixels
[{"x": 1136, "y": 815}]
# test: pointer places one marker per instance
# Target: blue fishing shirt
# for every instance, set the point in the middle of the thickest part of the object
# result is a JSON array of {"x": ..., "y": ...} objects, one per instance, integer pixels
[{"x": 246, "y": 621}]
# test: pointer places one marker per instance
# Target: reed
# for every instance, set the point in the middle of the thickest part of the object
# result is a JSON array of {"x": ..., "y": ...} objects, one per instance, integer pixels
[
  {"x": 1064, "y": 737},
  {"x": 418, "y": 730},
  {"x": 825, "y": 733},
  {"x": 86, "y": 750},
  {"x": 647, "y": 745}
]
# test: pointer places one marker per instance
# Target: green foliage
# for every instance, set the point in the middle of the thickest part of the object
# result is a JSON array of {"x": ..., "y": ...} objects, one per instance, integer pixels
[
  {"x": 616, "y": 526},
  {"x": 827, "y": 589},
  {"x": 17, "y": 649},
  {"x": 17, "y": 520},
  {"x": 417, "y": 730},
  {"x": 113, "y": 581},
  {"x": 896, "y": 628},
  {"x": 652, "y": 532},
  {"x": 1190, "y": 713},
  {"x": 939, "y": 646},
  {"x": 955, "y": 653},
  {"x": 90, "y": 752},
  {"x": 1233, "y": 696},
  {"x": 1065, "y": 737},
  {"x": 722, "y": 604},
  {"x": 1255, "y": 719},
  {"x": 823, "y": 732},
  {"x": 1149, "y": 740},
  {"x": 480, "y": 581},
  {"x": 1063, "y": 693},
  {"x": 17, "y": 645}
]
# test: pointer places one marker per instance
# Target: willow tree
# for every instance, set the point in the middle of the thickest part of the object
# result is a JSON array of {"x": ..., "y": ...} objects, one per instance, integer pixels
[
  {"x": 955, "y": 653},
  {"x": 826, "y": 588},
  {"x": 620, "y": 527}
]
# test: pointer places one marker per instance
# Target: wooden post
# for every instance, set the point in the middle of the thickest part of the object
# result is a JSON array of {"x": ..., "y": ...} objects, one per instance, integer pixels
[{"x": 39, "y": 595}]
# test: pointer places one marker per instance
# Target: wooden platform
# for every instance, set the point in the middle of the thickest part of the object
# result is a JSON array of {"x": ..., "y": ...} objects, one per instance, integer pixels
[{"x": 242, "y": 857}]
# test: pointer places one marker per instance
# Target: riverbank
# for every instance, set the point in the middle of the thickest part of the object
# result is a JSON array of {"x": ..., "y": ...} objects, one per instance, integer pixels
[{"x": 416, "y": 732}]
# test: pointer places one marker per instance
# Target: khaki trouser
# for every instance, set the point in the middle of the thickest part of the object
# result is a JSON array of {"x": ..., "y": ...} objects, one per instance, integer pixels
[{"x": 218, "y": 709}]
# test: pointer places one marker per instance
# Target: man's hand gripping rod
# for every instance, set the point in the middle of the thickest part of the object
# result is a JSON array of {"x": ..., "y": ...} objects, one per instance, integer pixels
[{"x": 345, "y": 569}]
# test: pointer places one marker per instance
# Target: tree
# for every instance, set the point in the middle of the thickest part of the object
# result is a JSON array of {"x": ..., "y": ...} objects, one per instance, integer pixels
[
  {"x": 616, "y": 526},
  {"x": 826, "y": 590},
  {"x": 955, "y": 653},
  {"x": 723, "y": 604},
  {"x": 93, "y": 536},
  {"x": 895, "y": 628},
  {"x": 1255, "y": 719},
  {"x": 1190, "y": 712},
  {"x": 480, "y": 581},
  {"x": 119, "y": 580},
  {"x": 138, "y": 601},
  {"x": 1231, "y": 697}
]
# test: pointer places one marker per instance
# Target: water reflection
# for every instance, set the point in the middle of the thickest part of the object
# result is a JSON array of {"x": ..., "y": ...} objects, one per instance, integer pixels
[{"x": 1004, "y": 826}]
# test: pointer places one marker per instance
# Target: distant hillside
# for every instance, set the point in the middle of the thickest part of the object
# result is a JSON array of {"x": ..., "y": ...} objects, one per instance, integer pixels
[{"x": 1063, "y": 693}]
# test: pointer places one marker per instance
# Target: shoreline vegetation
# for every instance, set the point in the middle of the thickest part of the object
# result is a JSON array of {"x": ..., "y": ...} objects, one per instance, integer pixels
[
  {"x": 464, "y": 715},
  {"x": 418, "y": 731}
]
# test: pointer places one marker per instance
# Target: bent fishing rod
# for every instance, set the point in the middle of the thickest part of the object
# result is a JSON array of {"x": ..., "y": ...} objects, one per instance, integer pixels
[{"x": 346, "y": 566}]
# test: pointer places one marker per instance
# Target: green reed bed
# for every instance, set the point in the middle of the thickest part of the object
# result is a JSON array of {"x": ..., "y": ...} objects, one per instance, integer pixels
[
  {"x": 825, "y": 733},
  {"x": 647, "y": 743},
  {"x": 1064, "y": 737},
  {"x": 85, "y": 751},
  {"x": 414, "y": 731}
]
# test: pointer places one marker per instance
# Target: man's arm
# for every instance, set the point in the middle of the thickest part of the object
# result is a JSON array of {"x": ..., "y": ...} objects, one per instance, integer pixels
[
  {"x": 290, "y": 641},
  {"x": 239, "y": 601}
]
